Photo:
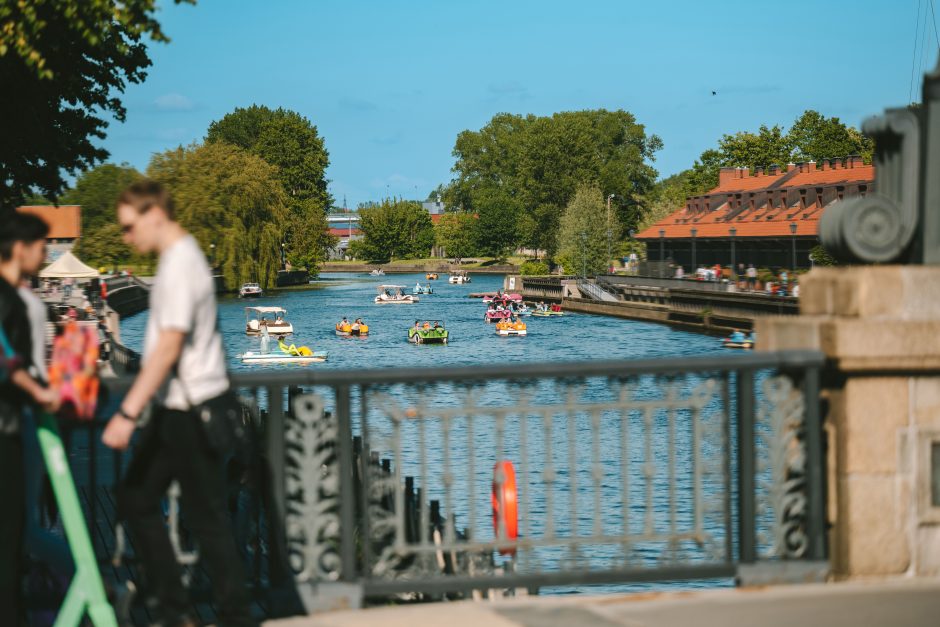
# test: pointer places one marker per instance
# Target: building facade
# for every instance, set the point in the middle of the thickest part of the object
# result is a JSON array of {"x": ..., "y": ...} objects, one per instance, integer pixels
[
  {"x": 768, "y": 219},
  {"x": 65, "y": 226}
]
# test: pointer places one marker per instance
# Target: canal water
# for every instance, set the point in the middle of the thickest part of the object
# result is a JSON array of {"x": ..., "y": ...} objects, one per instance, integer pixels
[
  {"x": 573, "y": 337},
  {"x": 314, "y": 312}
]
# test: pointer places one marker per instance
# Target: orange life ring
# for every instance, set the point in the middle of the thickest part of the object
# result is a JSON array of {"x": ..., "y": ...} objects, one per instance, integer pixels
[{"x": 505, "y": 504}]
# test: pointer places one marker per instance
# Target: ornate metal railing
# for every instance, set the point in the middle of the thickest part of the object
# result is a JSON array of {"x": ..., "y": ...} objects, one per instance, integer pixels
[{"x": 382, "y": 482}]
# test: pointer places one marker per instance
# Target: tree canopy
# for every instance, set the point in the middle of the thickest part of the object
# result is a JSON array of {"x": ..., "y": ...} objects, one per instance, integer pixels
[
  {"x": 395, "y": 229},
  {"x": 582, "y": 236},
  {"x": 96, "y": 191},
  {"x": 455, "y": 233},
  {"x": 518, "y": 173},
  {"x": 62, "y": 64},
  {"x": 231, "y": 199},
  {"x": 812, "y": 136}
]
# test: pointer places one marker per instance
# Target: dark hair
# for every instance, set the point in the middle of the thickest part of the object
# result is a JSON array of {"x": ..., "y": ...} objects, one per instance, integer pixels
[
  {"x": 16, "y": 226},
  {"x": 147, "y": 193}
]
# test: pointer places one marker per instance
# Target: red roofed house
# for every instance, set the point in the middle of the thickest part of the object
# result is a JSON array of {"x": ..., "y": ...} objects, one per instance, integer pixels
[
  {"x": 65, "y": 226},
  {"x": 765, "y": 218}
]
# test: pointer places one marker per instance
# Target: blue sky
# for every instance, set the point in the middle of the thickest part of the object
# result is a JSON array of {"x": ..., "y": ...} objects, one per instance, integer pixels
[{"x": 390, "y": 84}]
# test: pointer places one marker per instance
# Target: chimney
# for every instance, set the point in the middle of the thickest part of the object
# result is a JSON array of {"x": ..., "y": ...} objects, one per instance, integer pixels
[
  {"x": 810, "y": 166},
  {"x": 855, "y": 161},
  {"x": 837, "y": 164},
  {"x": 774, "y": 169},
  {"x": 825, "y": 164},
  {"x": 758, "y": 172},
  {"x": 791, "y": 166},
  {"x": 744, "y": 173},
  {"x": 726, "y": 175}
]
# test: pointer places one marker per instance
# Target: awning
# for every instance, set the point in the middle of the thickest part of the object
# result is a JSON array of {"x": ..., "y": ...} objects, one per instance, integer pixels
[{"x": 68, "y": 266}]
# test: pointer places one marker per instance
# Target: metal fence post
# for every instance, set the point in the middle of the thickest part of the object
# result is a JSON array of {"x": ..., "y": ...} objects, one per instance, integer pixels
[
  {"x": 347, "y": 504},
  {"x": 815, "y": 468},
  {"x": 747, "y": 507},
  {"x": 277, "y": 509}
]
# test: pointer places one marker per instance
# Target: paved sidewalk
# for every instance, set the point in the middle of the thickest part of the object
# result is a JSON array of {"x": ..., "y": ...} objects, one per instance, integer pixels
[{"x": 883, "y": 603}]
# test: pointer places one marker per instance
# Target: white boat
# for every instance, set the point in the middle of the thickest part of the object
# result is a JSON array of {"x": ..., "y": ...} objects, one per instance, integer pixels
[
  {"x": 377, "y": 272},
  {"x": 394, "y": 295},
  {"x": 458, "y": 276},
  {"x": 282, "y": 358},
  {"x": 250, "y": 290},
  {"x": 272, "y": 319}
]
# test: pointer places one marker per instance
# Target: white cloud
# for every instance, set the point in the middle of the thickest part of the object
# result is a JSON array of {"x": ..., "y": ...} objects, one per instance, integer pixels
[{"x": 174, "y": 102}]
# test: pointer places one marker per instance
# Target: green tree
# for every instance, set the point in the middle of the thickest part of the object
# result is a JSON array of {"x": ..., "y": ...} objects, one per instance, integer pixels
[
  {"x": 104, "y": 246},
  {"x": 393, "y": 229},
  {"x": 455, "y": 233},
  {"x": 582, "y": 236},
  {"x": 816, "y": 137},
  {"x": 63, "y": 64},
  {"x": 230, "y": 198},
  {"x": 288, "y": 141},
  {"x": 97, "y": 190}
]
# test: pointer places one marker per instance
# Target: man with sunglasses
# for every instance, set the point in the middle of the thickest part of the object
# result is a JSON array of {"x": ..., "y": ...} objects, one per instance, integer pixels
[
  {"x": 22, "y": 251},
  {"x": 182, "y": 348}
]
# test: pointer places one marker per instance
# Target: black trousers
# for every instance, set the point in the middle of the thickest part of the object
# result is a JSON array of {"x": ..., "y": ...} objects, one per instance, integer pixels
[
  {"x": 12, "y": 519},
  {"x": 173, "y": 447}
]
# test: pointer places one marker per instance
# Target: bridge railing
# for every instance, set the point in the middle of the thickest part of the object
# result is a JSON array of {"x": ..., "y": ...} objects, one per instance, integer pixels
[{"x": 387, "y": 480}]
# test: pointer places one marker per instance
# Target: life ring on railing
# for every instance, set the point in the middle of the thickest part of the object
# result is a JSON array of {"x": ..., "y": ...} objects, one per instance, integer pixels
[{"x": 505, "y": 505}]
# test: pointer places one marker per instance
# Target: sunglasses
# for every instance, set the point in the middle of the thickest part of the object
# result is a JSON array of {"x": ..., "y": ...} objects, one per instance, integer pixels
[{"x": 127, "y": 228}]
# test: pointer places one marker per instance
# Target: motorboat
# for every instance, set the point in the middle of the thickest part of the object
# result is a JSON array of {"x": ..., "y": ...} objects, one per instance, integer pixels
[
  {"x": 511, "y": 327},
  {"x": 739, "y": 340},
  {"x": 431, "y": 332},
  {"x": 459, "y": 276},
  {"x": 497, "y": 315},
  {"x": 431, "y": 276},
  {"x": 377, "y": 272},
  {"x": 547, "y": 313},
  {"x": 250, "y": 290},
  {"x": 419, "y": 289},
  {"x": 272, "y": 319},
  {"x": 352, "y": 329},
  {"x": 498, "y": 297},
  {"x": 394, "y": 295}
]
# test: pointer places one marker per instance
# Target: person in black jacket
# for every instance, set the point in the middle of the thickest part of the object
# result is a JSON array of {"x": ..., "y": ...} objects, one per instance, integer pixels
[{"x": 22, "y": 250}]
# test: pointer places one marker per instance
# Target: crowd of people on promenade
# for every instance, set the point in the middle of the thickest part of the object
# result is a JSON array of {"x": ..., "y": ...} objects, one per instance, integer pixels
[
  {"x": 746, "y": 278},
  {"x": 182, "y": 385}
]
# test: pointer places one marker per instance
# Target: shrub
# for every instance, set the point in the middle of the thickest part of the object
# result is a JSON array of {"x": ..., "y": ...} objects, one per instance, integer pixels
[{"x": 533, "y": 268}]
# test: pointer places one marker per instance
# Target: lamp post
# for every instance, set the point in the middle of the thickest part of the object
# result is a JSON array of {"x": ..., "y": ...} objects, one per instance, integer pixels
[
  {"x": 662, "y": 251},
  {"x": 212, "y": 255},
  {"x": 283, "y": 256},
  {"x": 694, "y": 232},
  {"x": 609, "y": 196},
  {"x": 732, "y": 232},
  {"x": 793, "y": 246}
]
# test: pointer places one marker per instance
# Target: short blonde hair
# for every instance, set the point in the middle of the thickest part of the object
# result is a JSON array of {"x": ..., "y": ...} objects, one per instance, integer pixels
[{"x": 145, "y": 194}]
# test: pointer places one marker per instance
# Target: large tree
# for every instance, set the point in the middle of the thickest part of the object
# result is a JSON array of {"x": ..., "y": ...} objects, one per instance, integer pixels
[
  {"x": 63, "y": 64},
  {"x": 393, "y": 229},
  {"x": 232, "y": 202},
  {"x": 455, "y": 232},
  {"x": 96, "y": 191},
  {"x": 519, "y": 173},
  {"x": 582, "y": 236},
  {"x": 291, "y": 143}
]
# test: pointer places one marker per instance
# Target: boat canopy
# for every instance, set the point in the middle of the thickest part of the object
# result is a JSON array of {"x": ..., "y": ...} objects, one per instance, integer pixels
[
  {"x": 391, "y": 287},
  {"x": 264, "y": 310}
]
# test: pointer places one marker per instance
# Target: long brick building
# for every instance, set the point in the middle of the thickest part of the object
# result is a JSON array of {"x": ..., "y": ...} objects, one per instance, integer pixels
[{"x": 765, "y": 217}]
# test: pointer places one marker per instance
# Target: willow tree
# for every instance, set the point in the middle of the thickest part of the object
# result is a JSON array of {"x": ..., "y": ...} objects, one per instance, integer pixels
[
  {"x": 582, "y": 233},
  {"x": 234, "y": 205}
]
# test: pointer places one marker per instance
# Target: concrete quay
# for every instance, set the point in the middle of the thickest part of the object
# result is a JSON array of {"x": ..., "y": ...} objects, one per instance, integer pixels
[{"x": 901, "y": 602}]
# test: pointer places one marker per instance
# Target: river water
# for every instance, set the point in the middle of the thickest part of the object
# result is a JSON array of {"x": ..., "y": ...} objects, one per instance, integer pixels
[
  {"x": 574, "y": 337},
  {"x": 314, "y": 312}
]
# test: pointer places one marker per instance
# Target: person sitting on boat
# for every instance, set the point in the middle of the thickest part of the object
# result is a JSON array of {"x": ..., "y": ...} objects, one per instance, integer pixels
[
  {"x": 427, "y": 325},
  {"x": 355, "y": 325},
  {"x": 293, "y": 350},
  {"x": 540, "y": 306},
  {"x": 738, "y": 337},
  {"x": 418, "y": 286},
  {"x": 556, "y": 307},
  {"x": 342, "y": 323},
  {"x": 417, "y": 324},
  {"x": 437, "y": 325}
]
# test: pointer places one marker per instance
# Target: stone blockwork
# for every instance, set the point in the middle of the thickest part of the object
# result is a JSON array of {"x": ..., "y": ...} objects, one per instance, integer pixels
[{"x": 880, "y": 329}]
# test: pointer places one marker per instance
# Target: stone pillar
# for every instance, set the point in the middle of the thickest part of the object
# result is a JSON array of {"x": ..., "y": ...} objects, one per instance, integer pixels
[{"x": 880, "y": 328}]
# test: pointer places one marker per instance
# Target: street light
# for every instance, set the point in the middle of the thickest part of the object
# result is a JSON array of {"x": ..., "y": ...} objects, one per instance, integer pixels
[
  {"x": 212, "y": 255},
  {"x": 694, "y": 232},
  {"x": 732, "y": 231},
  {"x": 608, "y": 228},
  {"x": 662, "y": 252},
  {"x": 283, "y": 257},
  {"x": 793, "y": 246}
]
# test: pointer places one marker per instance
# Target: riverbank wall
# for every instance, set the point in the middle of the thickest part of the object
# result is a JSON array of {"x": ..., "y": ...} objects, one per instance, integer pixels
[
  {"x": 440, "y": 268},
  {"x": 704, "y": 308}
]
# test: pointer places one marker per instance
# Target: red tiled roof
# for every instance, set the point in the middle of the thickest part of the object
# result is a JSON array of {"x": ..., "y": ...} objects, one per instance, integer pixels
[
  {"x": 763, "y": 220},
  {"x": 343, "y": 232},
  {"x": 65, "y": 221}
]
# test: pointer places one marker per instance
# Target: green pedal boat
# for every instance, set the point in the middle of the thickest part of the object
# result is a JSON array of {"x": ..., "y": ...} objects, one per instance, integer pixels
[{"x": 431, "y": 332}]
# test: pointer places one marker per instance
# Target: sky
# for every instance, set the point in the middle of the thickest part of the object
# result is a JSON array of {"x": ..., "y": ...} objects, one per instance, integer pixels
[{"x": 389, "y": 85}]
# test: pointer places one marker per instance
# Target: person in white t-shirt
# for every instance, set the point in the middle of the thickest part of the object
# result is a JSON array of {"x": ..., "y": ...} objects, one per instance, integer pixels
[{"x": 182, "y": 345}]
